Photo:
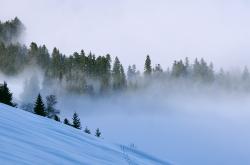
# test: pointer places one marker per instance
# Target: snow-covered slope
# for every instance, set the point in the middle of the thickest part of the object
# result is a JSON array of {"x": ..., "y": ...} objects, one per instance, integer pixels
[{"x": 26, "y": 138}]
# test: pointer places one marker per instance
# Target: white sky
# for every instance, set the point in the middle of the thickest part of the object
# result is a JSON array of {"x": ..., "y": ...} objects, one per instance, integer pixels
[{"x": 218, "y": 30}]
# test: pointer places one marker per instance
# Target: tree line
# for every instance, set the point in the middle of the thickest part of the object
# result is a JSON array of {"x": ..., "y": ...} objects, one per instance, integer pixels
[{"x": 86, "y": 73}]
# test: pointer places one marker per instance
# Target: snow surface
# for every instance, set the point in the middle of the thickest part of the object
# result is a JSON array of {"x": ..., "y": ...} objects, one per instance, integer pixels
[{"x": 26, "y": 138}]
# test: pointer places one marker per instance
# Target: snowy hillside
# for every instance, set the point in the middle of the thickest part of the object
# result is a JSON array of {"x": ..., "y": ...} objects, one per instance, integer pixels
[{"x": 26, "y": 138}]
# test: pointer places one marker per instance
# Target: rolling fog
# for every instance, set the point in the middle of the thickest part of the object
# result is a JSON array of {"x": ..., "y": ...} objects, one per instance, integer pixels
[
  {"x": 198, "y": 125},
  {"x": 184, "y": 129}
]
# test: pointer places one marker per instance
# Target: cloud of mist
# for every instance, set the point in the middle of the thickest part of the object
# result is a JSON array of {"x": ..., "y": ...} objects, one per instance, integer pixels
[
  {"x": 178, "y": 122},
  {"x": 183, "y": 125},
  {"x": 167, "y": 30}
]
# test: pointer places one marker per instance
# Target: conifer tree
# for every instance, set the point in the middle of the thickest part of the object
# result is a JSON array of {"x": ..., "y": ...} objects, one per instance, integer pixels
[
  {"x": 158, "y": 69},
  {"x": 178, "y": 69},
  {"x": 123, "y": 78},
  {"x": 132, "y": 76},
  {"x": 66, "y": 121},
  {"x": 147, "y": 66},
  {"x": 5, "y": 95},
  {"x": 86, "y": 130},
  {"x": 76, "y": 121},
  {"x": 39, "y": 108},
  {"x": 56, "y": 118},
  {"x": 33, "y": 52},
  {"x": 97, "y": 133},
  {"x": 118, "y": 75}
]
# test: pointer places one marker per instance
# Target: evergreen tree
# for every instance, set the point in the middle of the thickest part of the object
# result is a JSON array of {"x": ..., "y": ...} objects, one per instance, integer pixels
[
  {"x": 97, "y": 133},
  {"x": 118, "y": 75},
  {"x": 86, "y": 130},
  {"x": 158, "y": 69},
  {"x": 43, "y": 58},
  {"x": 76, "y": 121},
  {"x": 123, "y": 78},
  {"x": 103, "y": 71},
  {"x": 178, "y": 69},
  {"x": 132, "y": 76},
  {"x": 202, "y": 71},
  {"x": 66, "y": 121},
  {"x": 196, "y": 69},
  {"x": 57, "y": 64},
  {"x": 147, "y": 66},
  {"x": 33, "y": 52},
  {"x": 39, "y": 108},
  {"x": 5, "y": 95},
  {"x": 56, "y": 118},
  {"x": 12, "y": 58}
]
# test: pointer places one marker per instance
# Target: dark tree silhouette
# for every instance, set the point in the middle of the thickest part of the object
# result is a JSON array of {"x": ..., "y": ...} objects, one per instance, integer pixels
[
  {"x": 98, "y": 133},
  {"x": 39, "y": 108},
  {"x": 5, "y": 95},
  {"x": 56, "y": 118},
  {"x": 66, "y": 121},
  {"x": 86, "y": 130},
  {"x": 76, "y": 121},
  {"x": 147, "y": 66}
]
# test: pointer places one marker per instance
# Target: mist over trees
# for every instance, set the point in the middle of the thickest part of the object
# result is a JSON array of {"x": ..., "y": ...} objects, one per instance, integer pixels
[
  {"x": 10, "y": 31},
  {"x": 86, "y": 73},
  {"x": 51, "y": 102}
]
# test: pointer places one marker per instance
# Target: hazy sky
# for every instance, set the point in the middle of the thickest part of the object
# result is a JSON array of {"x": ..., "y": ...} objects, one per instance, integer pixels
[{"x": 218, "y": 30}]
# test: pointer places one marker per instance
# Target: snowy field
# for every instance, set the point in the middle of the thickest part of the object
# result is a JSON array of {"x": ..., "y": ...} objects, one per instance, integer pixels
[{"x": 26, "y": 138}]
